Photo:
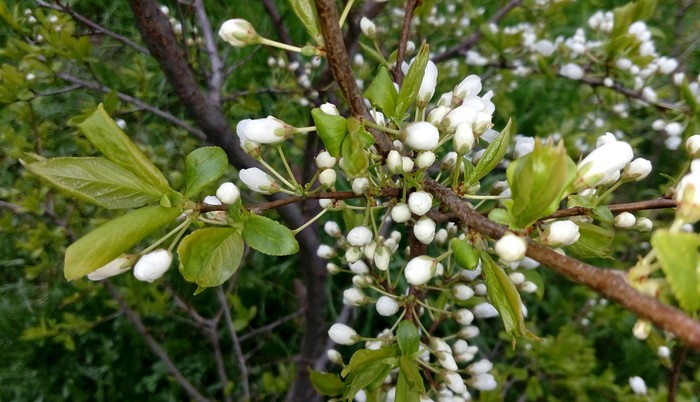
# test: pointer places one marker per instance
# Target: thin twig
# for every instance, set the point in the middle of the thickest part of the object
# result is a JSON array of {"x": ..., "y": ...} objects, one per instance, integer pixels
[
  {"x": 676, "y": 374},
  {"x": 242, "y": 365},
  {"x": 216, "y": 77},
  {"x": 92, "y": 24},
  {"x": 403, "y": 40},
  {"x": 269, "y": 327},
  {"x": 659, "y": 203},
  {"x": 135, "y": 320},
  {"x": 94, "y": 86}
]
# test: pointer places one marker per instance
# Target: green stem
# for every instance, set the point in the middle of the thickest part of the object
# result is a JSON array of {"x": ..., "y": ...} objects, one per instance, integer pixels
[
  {"x": 312, "y": 220},
  {"x": 277, "y": 175},
  {"x": 610, "y": 190},
  {"x": 381, "y": 128},
  {"x": 284, "y": 46},
  {"x": 443, "y": 255},
  {"x": 304, "y": 129},
  {"x": 185, "y": 224},
  {"x": 346, "y": 11},
  {"x": 286, "y": 166}
]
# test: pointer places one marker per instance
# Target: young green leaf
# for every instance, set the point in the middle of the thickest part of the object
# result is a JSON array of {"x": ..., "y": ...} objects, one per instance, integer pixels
[
  {"x": 493, "y": 155},
  {"x": 366, "y": 356},
  {"x": 411, "y": 83},
  {"x": 353, "y": 150},
  {"x": 96, "y": 180},
  {"x": 209, "y": 256},
  {"x": 411, "y": 373},
  {"x": 331, "y": 129},
  {"x": 538, "y": 182},
  {"x": 268, "y": 236},
  {"x": 328, "y": 384},
  {"x": 465, "y": 254},
  {"x": 114, "y": 238},
  {"x": 678, "y": 254},
  {"x": 505, "y": 298},
  {"x": 404, "y": 392},
  {"x": 203, "y": 166},
  {"x": 381, "y": 92},
  {"x": 371, "y": 373},
  {"x": 107, "y": 137},
  {"x": 306, "y": 12},
  {"x": 408, "y": 337},
  {"x": 594, "y": 241}
]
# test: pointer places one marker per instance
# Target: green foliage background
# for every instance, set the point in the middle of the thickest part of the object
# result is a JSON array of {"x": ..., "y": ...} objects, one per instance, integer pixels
[{"x": 69, "y": 341}]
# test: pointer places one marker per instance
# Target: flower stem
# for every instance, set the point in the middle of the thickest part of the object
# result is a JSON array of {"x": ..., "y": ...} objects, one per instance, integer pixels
[
  {"x": 346, "y": 11},
  {"x": 277, "y": 175},
  {"x": 286, "y": 165},
  {"x": 381, "y": 128},
  {"x": 180, "y": 228},
  {"x": 284, "y": 46},
  {"x": 312, "y": 220}
]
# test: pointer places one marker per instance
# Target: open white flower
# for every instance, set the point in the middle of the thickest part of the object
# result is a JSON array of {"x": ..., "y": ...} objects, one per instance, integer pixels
[
  {"x": 238, "y": 33},
  {"x": 153, "y": 265}
]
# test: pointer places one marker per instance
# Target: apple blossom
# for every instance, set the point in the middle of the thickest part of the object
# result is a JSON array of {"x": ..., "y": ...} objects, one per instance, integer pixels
[
  {"x": 153, "y": 265},
  {"x": 238, "y": 33}
]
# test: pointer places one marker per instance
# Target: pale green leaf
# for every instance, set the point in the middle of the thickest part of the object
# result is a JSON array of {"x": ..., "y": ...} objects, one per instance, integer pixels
[
  {"x": 678, "y": 254},
  {"x": 411, "y": 82},
  {"x": 114, "y": 238},
  {"x": 96, "y": 180},
  {"x": 328, "y": 384},
  {"x": 109, "y": 139},
  {"x": 202, "y": 167},
  {"x": 408, "y": 337},
  {"x": 269, "y": 237},
  {"x": 209, "y": 256},
  {"x": 493, "y": 155},
  {"x": 381, "y": 92},
  {"x": 331, "y": 129}
]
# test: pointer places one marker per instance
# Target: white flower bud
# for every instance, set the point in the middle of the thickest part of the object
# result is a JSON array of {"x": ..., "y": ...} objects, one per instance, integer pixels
[
  {"x": 571, "y": 71},
  {"x": 625, "y": 220},
  {"x": 688, "y": 197},
  {"x": 406, "y": 164},
  {"x": 238, "y": 33},
  {"x": 692, "y": 145},
  {"x": 359, "y": 267},
  {"x": 342, "y": 334},
  {"x": 335, "y": 357},
  {"x": 517, "y": 278},
  {"x": 332, "y": 229},
  {"x": 605, "y": 139},
  {"x": 460, "y": 346},
  {"x": 455, "y": 383},
  {"x": 228, "y": 193},
  {"x": 469, "y": 332},
  {"x": 424, "y": 230},
  {"x": 258, "y": 181},
  {"x": 378, "y": 117},
  {"x": 362, "y": 281},
  {"x": 523, "y": 146},
  {"x": 359, "y": 236},
  {"x": 353, "y": 254},
  {"x": 447, "y": 361},
  {"x": 419, "y": 270},
  {"x": 459, "y": 115},
  {"x": 462, "y": 292},
  {"x": 327, "y": 178},
  {"x": 638, "y": 385},
  {"x": 641, "y": 329},
  {"x": 441, "y": 237},
  {"x": 360, "y": 185},
  {"x": 483, "y": 382},
  {"x": 387, "y": 306},
  {"x": 120, "y": 122},
  {"x": 637, "y": 170},
  {"x": 463, "y": 141},
  {"x": 425, "y": 160},
  {"x": 354, "y": 297},
  {"x": 394, "y": 162},
  {"x": 561, "y": 233},
  {"x": 427, "y": 85},
  {"x": 644, "y": 224},
  {"x": 325, "y": 251},
  {"x": 329, "y": 108},
  {"x": 368, "y": 28},
  {"x": 153, "y": 265},
  {"x": 400, "y": 213},
  {"x": 511, "y": 247},
  {"x": 436, "y": 115},
  {"x": 422, "y": 136},
  {"x": 470, "y": 86},
  {"x": 382, "y": 257},
  {"x": 663, "y": 352},
  {"x": 481, "y": 367},
  {"x": 114, "y": 267},
  {"x": 324, "y": 160},
  {"x": 528, "y": 287},
  {"x": 269, "y": 130},
  {"x": 464, "y": 316},
  {"x": 420, "y": 202},
  {"x": 332, "y": 268},
  {"x": 601, "y": 165},
  {"x": 485, "y": 310}
]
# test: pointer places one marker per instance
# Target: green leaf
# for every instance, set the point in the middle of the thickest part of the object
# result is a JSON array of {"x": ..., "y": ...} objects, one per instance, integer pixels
[
  {"x": 500, "y": 215},
  {"x": 411, "y": 374},
  {"x": 353, "y": 151},
  {"x": 465, "y": 254},
  {"x": 370, "y": 373},
  {"x": 269, "y": 237},
  {"x": 603, "y": 214},
  {"x": 381, "y": 92},
  {"x": 411, "y": 83},
  {"x": 366, "y": 356},
  {"x": 408, "y": 337},
  {"x": 505, "y": 298},
  {"x": 114, "y": 238},
  {"x": 404, "y": 393},
  {"x": 538, "y": 182},
  {"x": 594, "y": 241},
  {"x": 331, "y": 129},
  {"x": 96, "y": 180},
  {"x": 106, "y": 136},
  {"x": 678, "y": 254},
  {"x": 202, "y": 167},
  {"x": 327, "y": 384},
  {"x": 208, "y": 257},
  {"x": 493, "y": 155},
  {"x": 306, "y": 11}
]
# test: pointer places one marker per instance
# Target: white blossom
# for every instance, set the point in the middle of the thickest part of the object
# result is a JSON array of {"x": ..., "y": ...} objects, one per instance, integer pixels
[
  {"x": 692, "y": 145},
  {"x": 481, "y": 367},
  {"x": 688, "y": 197},
  {"x": 470, "y": 86},
  {"x": 329, "y": 108},
  {"x": 637, "y": 170},
  {"x": 485, "y": 310},
  {"x": 153, "y": 265},
  {"x": 455, "y": 383},
  {"x": 382, "y": 257},
  {"x": 603, "y": 164},
  {"x": 463, "y": 140},
  {"x": 419, "y": 270},
  {"x": 327, "y": 178},
  {"x": 483, "y": 382},
  {"x": 421, "y": 136},
  {"x": 325, "y": 251},
  {"x": 464, "y": 316},
  {"x": 324, "y": 160},
  {"x": 571, "y": 71},
  {"x": 420, "y": 202},
  {"x": 561, "y": 233},
  {"x": 511, "y": 247},
  {"x": 342, "y": 334},
  {"x": 427, "y": 86},
  {"x": 394, "y": 161},
  {"x": 359, "y": 236},
  {"x": 354, "y": 297},
  {"x": 424, "y": 230},
  {"x": 523, "y": 146},
  {"x": 238, "y": 33},
  {"x": 368, "y": 28},
  {"x": 332, "y": 229},
  {"x": 114, "y": 267},
  {"x": 258, "y": 181},
  {"x": 462, "y": 292},
  {"x": 387, "y": 306},
  {"x": 228, "y": 193},
  {"x": 400, "y": 213},
  {"x": 638, "y": 385},
  {"x": 269, "y": 130},
  {"x": 425, "y": 160},
  {"x": 625, "y": 220},
  {"x": 360, "y": 185}
]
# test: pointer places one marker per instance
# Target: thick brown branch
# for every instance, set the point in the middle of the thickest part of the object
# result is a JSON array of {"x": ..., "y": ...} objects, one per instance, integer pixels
[{"x": 612, "y": 284}]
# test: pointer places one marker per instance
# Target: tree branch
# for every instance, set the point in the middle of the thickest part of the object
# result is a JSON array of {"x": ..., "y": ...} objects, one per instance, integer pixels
[
  {"x": 216, "y": 77},
  {"x": 135, "y": 319},
  {"x": 659, "y": 203},
  {"x": 405, "y": 31},
  {"x": 612, "y": 284},
  {"x": 238, "y": 352}
]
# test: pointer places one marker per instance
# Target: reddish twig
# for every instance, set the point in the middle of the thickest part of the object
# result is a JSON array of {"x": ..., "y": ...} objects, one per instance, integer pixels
[
  {"x": 405, "y": 31},
  {"x": 659, "y": 203},
  {"x": 676, "y": 374}
]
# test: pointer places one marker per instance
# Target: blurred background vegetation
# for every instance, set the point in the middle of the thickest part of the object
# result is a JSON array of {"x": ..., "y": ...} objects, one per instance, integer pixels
[{"x": 74, "y": 340}]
